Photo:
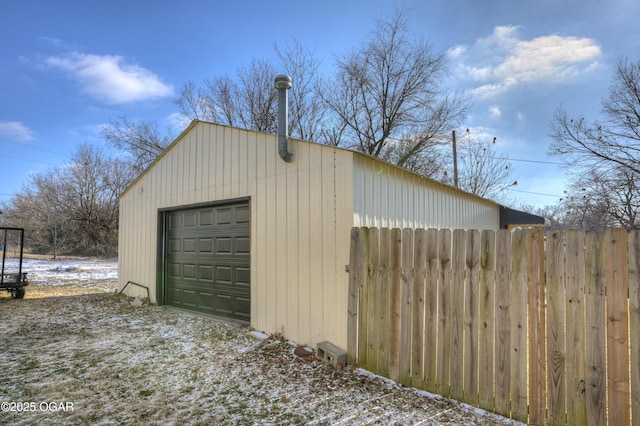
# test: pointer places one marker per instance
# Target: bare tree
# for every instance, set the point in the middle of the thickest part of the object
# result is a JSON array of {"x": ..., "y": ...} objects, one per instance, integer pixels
[
  {"x": 74, "y": 208},
  {"x": 604, "y": 156},
  {"x": 306, "y": 112},
  {"x": 389, "y": 87},
  {"x": 194, "y": 104},
  {"x": 602, "y": 198},
  {"x": 614, "y": 142},
  {"x": 482, "y": 170},
  {"x": 429, "y": 161},
  {"x": 250, "y": 100},
  {"x": 141, "y": 139}
]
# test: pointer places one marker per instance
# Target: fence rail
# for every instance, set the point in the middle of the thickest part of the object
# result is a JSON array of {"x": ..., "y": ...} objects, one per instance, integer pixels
[{"x": 540, "y": 327}]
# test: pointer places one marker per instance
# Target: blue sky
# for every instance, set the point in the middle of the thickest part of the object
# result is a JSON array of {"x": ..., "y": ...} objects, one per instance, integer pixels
[{"x": 69, "y": 67}]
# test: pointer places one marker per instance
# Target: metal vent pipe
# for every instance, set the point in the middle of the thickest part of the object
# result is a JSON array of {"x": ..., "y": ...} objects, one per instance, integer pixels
[{"x": 283, "y": 84}]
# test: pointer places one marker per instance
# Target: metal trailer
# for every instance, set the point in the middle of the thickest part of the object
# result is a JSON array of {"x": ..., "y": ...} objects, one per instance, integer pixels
[{"x": 12, "y": 278}]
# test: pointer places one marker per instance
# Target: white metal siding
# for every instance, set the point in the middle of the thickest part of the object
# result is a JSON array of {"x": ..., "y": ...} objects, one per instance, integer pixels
[
  {"x": 386, "y": 196},
  {"x": 301, "y": 214}
]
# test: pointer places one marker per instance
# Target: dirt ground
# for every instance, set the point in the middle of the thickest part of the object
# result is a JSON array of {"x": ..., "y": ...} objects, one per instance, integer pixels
[{"x": 78, "y": 355}]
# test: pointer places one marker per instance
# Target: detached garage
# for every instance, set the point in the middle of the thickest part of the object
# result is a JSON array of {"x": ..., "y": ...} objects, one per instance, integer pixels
[{"x": 222, "y": 224}]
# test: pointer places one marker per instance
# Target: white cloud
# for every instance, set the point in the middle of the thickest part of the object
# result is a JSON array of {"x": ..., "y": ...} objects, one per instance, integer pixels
[
  {"x": 110, "y": 79},
  {"x": 503, "y": 61},
  {"x": 177, "y": 122},
  {"x": 15, "y": 130},
  {"x": 494, "y": 111}
]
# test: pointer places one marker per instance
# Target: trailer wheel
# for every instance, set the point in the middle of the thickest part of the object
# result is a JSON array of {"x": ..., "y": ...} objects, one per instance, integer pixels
[{"x": 18, "y": 293}]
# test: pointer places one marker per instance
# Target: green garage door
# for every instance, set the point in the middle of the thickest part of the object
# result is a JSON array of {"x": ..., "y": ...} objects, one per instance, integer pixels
[{"x": 207, "y": 260}]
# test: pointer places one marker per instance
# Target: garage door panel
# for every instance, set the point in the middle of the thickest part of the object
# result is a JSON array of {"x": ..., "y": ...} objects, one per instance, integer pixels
[
  {"x": 243, "y": 214},
  {"x": 243, "y": 276},
  {"x": 205, "y": 273},
  {"x": 190, "y": 219},
  {"x": 208, "y": 260},
  {"x": 243, "y": 245},
  {"x": 189, "y": 245},
  {"x": 174, "y": 245},
  {"x": 174, "y": 269},
  {"x": 223, "y": 216},
  {"x": 205, "y": 246},
  {"x": 223, "y": 245},
  {"x": 206, "y": 218}
]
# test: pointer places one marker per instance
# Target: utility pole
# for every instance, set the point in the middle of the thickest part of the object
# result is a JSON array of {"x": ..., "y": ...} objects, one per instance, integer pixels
[{"x": 455, "y": 159}]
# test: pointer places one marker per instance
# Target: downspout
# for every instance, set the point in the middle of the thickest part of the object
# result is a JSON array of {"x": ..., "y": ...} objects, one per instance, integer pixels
[{"x": 283, "y": 84}]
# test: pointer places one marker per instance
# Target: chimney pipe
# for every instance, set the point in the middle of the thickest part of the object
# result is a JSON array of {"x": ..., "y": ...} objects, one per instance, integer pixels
[{"x": 283, "y": 84}]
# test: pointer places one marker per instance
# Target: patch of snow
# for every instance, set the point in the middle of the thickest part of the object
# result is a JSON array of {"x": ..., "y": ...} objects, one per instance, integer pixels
[
  {"x": 61, "y": 272},
  {"x": 258, "y": 335}
]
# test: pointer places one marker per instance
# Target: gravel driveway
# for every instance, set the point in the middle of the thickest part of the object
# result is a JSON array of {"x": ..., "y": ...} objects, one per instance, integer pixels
[{"x": 103, "y": 359}]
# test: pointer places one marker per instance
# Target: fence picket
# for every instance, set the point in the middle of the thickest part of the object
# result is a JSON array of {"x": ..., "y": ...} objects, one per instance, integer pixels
[
  {"x": 472, "y": 271},
  {"x": 617, "y": 291},
  {"x": 406, "y": 302},
  {"x": 356, "y": 283},
  {"x": 394, "y": 303},
  {"x": 536, "y": 327},
  {"x": 633, "y": 248},
  {"x": 595, "y": 328},
  {"x": 381, "y": 307},
  {"x": 456, "y": 326},
  {"x": 363, "y": 299},
  {"x": 372, "y": 299},
  {"x": 575, "y": 314},
  {"x": 418, "y": 308},
  {"x": 486, "y": 311},
  {"x": 518, "y": 309},
  {"x": 556, "y": 353},
  {"x": 431, "y": 315},
  {"x": 444, "y": 312},
  {"x": 503, "y": 323}
]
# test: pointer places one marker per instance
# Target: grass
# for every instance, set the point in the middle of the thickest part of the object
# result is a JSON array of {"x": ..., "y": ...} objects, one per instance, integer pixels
[{"x": 121, "y": 364}]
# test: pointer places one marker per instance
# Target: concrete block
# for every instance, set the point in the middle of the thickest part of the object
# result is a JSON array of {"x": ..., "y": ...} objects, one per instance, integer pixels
[{"x": 331, "y": 354}]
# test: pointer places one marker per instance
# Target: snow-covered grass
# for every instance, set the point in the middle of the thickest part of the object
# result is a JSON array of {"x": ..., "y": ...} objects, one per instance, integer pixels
[
  {"x": 69, "y": 276},
  {"x": 114, "y": 361}
]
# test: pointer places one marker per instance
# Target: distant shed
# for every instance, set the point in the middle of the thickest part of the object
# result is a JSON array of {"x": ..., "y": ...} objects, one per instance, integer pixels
[{"x": 220, "y": 224}]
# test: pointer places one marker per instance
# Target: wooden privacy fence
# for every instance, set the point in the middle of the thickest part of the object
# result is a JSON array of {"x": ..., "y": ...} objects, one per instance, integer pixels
[{"x": 540, "y": 327}]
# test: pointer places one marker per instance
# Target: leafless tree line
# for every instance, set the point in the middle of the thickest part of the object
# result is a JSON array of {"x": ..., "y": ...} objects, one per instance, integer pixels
[{"x": 72, "y": 210}]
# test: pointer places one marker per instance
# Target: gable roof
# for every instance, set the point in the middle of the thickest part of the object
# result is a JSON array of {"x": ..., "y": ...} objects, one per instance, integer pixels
[{"x": 508, "y": 217}]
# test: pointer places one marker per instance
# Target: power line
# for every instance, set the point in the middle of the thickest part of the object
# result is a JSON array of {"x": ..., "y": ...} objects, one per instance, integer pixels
[
  {"x": 536, "y": 193},
  {"x": 25, "y": 159},
  {"x": 33, "y": 147},
  {"x": 528, "y": 161}
]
